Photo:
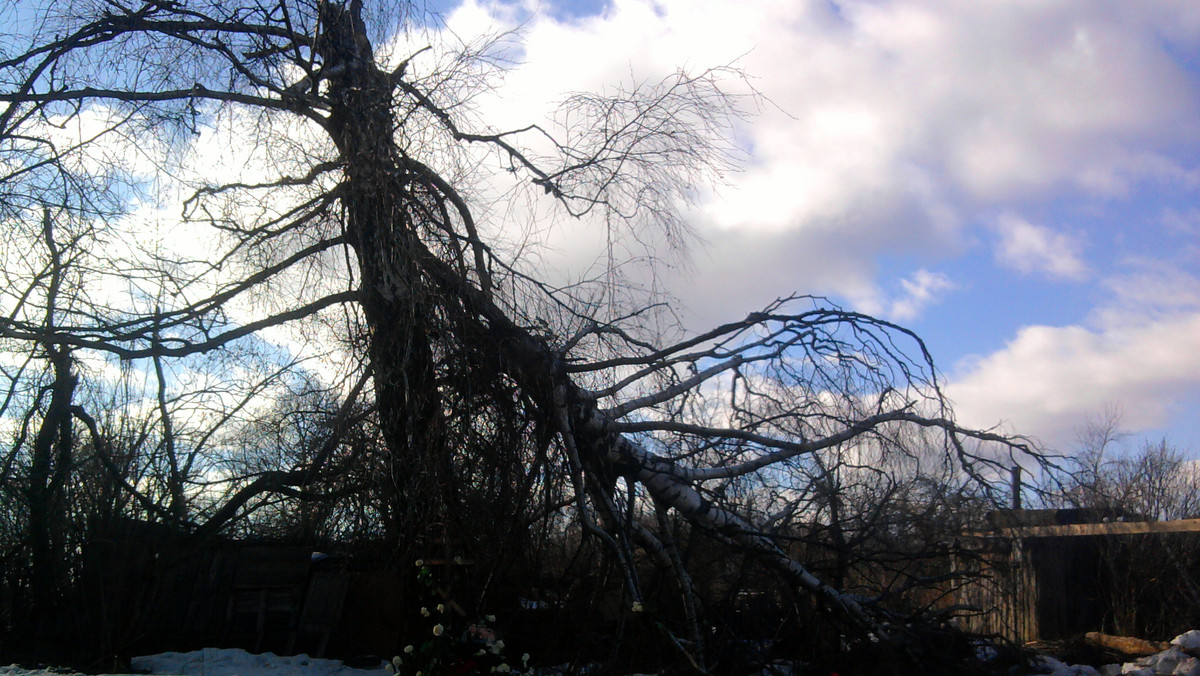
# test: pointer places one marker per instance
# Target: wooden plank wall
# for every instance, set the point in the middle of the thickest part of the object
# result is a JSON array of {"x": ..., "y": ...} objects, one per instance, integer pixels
[
  {"x": 1046, "y": 582},
  {"x": 1004, "y": 594}
]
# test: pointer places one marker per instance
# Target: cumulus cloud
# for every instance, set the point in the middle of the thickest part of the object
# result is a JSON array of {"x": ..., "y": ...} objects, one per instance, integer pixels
[
  {"x": 1030, "y": 248},
  {"x": 896, "y": 128},
  {"x": 1141, "y": 351},
  {"x": 887, "y": 127}
]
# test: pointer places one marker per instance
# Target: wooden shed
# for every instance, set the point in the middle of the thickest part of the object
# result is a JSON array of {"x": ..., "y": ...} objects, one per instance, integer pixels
[{"x": 1056, "y": 580}]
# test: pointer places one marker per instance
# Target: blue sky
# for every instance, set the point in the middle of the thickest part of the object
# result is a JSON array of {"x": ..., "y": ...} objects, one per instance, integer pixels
[{"x": 1016, "y": 181}]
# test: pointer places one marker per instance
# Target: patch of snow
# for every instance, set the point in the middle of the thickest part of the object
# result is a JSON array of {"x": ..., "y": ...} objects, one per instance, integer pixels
[
  {"x": 1181, "y": 659},
  {"x": 1053, "y": 667},
  {"x": 212, "y": 661},
  {"x": 1189, "y": 641}
]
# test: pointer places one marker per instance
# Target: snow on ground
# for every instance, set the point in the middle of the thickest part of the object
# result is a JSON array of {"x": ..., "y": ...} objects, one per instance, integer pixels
[
  {"x": 226, "y": 662},
  {"x": 213, "y": 662},
  {"x": 1181, "y": 659}
]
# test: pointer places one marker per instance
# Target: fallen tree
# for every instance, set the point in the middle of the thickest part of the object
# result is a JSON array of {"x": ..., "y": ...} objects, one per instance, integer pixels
[{"x": 477, "y": 366}]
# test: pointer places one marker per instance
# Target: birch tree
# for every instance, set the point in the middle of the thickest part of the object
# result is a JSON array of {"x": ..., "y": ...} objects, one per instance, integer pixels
[{"x": 476, "y": 366}]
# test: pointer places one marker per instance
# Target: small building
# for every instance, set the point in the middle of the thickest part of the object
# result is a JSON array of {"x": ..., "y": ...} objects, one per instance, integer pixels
[{"x": 1054, "y": 574}]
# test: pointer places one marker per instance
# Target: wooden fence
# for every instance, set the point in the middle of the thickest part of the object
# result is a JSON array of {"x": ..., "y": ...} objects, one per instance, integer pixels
[{"x": 145, "y": 588}]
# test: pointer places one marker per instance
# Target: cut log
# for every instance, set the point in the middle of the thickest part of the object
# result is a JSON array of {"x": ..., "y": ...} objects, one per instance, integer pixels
[{"x": 1125, "y": 645}]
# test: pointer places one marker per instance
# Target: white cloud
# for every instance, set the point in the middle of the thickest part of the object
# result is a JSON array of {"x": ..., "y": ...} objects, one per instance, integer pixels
[
  {"x": 1141, "y": 351},
  {"x": 1182, "y": 223},
  {"x": 1150, "y": 289},
  {"x": 1030, "y": 248},
  {"x": 895, "y": 127},
  {"x": 890, "y": 128},
  {"x": 917, "y": 292},
  {"x": 921, "y": 290}
]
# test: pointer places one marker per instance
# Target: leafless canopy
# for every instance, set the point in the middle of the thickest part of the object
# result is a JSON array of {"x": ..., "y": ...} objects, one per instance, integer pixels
[{"x": 495, "y": 395}]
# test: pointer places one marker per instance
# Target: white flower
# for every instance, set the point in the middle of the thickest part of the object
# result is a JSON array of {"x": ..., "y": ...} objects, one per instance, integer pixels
[
  {"x": 441, "y": 607},
  {"x": 396, "y": 660},
  {"x": 490, "y": 618},
  {"x": 420, "y": 562},
  {"x": 407, "y": 650},
  {"x": 458, "y": 560},
  {"x": 438, "y": 629},
  {"x": 390, "y": 668},
  {"x": 503, "y": 668},
  {"x": 637, "y": 607},
  {"x": 497, "y": 647},
  {"x": 424, "y": 612},
  {"x": 525, "y": 660}
]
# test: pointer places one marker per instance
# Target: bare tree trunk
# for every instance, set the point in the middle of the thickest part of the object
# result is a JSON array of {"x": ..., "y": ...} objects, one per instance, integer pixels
[
  {"x": 378, "y": 196},
  {"x": 52, "y": 450}
]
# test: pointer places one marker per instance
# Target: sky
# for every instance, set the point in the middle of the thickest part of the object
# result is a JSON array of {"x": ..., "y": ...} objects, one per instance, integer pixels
[{"x": 1018, "y": 182}]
